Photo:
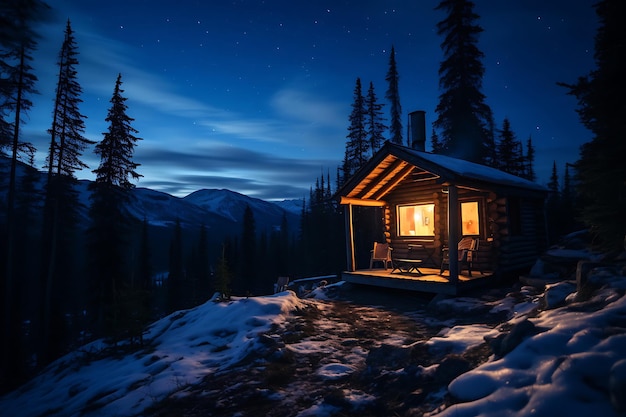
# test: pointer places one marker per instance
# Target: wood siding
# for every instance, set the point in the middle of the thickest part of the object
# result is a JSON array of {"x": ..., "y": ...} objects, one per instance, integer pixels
[
  {"x": 510, "y": 239},
  {"x": 518, "y": 229},
  {"x": 412, "y": 192}
]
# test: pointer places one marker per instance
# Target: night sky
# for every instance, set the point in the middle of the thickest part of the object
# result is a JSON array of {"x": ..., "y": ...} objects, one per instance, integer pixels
[{"x": 254, "y": 96}]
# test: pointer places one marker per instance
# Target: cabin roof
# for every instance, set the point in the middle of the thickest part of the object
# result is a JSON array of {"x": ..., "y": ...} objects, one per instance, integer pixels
[{"x": 393, "y": 163}]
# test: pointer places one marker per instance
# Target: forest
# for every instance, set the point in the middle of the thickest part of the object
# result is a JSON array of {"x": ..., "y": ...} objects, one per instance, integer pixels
[{"x": 67, "y": 280}]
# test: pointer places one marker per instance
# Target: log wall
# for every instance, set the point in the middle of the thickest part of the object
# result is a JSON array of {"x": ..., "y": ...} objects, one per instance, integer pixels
[
  {"x": 411, "y": 192},
  {"x": 520, "y": 250},
  {"x": 504, "y": 245}
]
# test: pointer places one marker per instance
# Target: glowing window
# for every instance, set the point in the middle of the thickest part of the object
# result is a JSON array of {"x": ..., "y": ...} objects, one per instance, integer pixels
[
  {"x": 470, "y": 218},
  {"x": 416, "y": 220}
]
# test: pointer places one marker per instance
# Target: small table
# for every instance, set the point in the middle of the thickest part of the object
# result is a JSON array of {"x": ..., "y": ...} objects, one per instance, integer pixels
[
  {"x": 428, "y": 251},
  {"x": 405, "y": 265}
]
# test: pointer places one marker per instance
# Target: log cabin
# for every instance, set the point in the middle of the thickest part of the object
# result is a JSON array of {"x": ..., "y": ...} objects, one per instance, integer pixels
[{"x": 431, "y": 201}]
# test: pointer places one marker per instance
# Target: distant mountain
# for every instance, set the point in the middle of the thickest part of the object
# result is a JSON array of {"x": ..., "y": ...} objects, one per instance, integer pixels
[
  {"x": 163, "y": 210},
  {"x": 219, "y": 210},
  {"x": 232, "y": 205},
  {"x": 209, "y": 206},
  {"x": 293, "y": 206}
]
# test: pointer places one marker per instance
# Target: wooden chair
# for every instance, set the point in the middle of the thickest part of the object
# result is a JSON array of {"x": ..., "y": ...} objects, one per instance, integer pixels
[
  {"x": 381, "y": 253},
  {"x": 468, "y": 247},
  {"x": 281, "y": 284}
]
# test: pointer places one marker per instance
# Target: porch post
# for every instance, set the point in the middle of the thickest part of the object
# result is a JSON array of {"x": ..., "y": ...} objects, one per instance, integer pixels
[
  {"x": 453, "y": 233},
  {"x": 350, "y": 261}
]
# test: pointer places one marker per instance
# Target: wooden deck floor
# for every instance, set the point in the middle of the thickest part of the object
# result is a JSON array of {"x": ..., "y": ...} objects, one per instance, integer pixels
[{"x": 430, "y": 281}]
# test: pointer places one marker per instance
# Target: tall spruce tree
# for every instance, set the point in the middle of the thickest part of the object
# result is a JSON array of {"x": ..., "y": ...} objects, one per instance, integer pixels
[
  {"x": 201, "y": 267},
  {"x": 491, "y": 150},
  {"x": 223, "y": 275},
  {"x": 67, "y": 144},
  {"x": 374, "y": 121},
  {"x": 117, "y": 147},
  {"x": 321, "y": 232},
  {"x": 144, "y": 260},
  {"x": 568, "y": 218},
  {"x": 553, "y": 185},
  {"x": 436, "y": 145},
  {"x": 601, "y": 171},
  {"x": 530, "y": 161},
  {"x": 553, "y": 206},
  {"x": 393, "y": 95},
  {"x": 18, "y": 40},
  {"x": 510, "y": 156},
  {"x": 357, "y": 145},
  {"x": 111, "y": 224},
  {"x": 176, "y": 278},
  {"x": 248, "y": 278},
  {"x": 283, "y": 248},
  {"x": 464, "y": 120},
  {"x": 25, "y": 284}
]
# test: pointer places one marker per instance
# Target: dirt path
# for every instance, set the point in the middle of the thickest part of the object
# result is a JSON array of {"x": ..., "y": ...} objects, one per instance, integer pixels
[{"x": 332, "y": 358}]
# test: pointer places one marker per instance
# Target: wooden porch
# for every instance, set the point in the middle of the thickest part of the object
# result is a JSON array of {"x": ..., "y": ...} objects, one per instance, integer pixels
[{"x": 430, "y": 281}]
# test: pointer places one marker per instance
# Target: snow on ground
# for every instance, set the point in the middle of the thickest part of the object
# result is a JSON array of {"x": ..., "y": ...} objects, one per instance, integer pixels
[
  {"x": 184, "y": 347},
  {"x": 564, "y": 370},
  {"x": 460, "y": 338},
  {"x": 567, "y": 366}
]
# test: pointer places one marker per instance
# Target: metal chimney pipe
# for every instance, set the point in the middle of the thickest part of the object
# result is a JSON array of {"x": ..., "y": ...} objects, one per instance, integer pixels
[{"x": 417, "y": 130}]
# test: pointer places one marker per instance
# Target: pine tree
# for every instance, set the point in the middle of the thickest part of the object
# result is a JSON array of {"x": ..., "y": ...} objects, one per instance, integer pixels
[
  {"x": 111, "y": 224},
  {"x": 117, "y": 147},
  {"x": 176, "y": 269},
  {"x": 223, "y": 274},
  {"x": 393, "y": 95},
  {"x": 435, "y": 143},
  {"x": 27, "y": 221},
  {"x": 176, "y": 276},
  {"x": 553, "y": 206},
  {"x": 263, "y": 276},
  {"x": 144, "y": 264},
  {"x": 553, "y": 185},
  {"x": 18, "y": 40},
  {"x": 491, "y": 150},
  {"x": 27, "y": 204},
  {"x": 26, "y": 262},
  {"x": 463, "y": 118},
  {"x": 601, "y": 169},
  {"x": 321, "y": 233},
  {"x": 357, "y": 145},
  {"x": 283, "y": 257},
  {"x": 248, "y": 253},
  {"x": 509, "y": 153},
  {"x": 67, "y": 141},
  {"x": 567, "y": 203},
  {"x": 202, "y": 266},
  {"x": 374, "y": 125},
  {"x": 67, "y": 144},
  {"x": 530, "y": 161}
]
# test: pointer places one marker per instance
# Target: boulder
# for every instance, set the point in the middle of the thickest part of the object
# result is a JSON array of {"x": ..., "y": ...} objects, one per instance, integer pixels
[
  {"x": 450, "y": 367},
  {"x": 506, "y": 342},
  {"x": 617, "y": 386}
]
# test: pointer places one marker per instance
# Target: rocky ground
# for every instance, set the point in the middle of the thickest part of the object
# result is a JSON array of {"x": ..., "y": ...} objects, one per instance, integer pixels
[{"x": 361, "y": 352}]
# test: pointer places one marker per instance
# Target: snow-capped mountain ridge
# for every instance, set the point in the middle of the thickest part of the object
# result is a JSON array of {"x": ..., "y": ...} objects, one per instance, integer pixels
[
  {"x": 229, "y": 203},
  {"x": 220, "y": 208}
]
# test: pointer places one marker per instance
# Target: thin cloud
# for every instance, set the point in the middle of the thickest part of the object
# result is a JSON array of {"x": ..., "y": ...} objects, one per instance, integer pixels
[
  {"x": 308, "y": 108},
  {"x": 221, "y": 166}
]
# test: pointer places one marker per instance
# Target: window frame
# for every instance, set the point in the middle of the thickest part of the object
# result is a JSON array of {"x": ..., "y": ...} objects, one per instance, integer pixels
[
  {"x": 429, "y": 221},
  {"x": 479, "y": 217}
]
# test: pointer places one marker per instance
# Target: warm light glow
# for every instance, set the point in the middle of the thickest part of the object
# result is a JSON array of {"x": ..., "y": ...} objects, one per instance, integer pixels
[
  {"x": 416, "y": 220},
  {"x": 470, "y": 218}
]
